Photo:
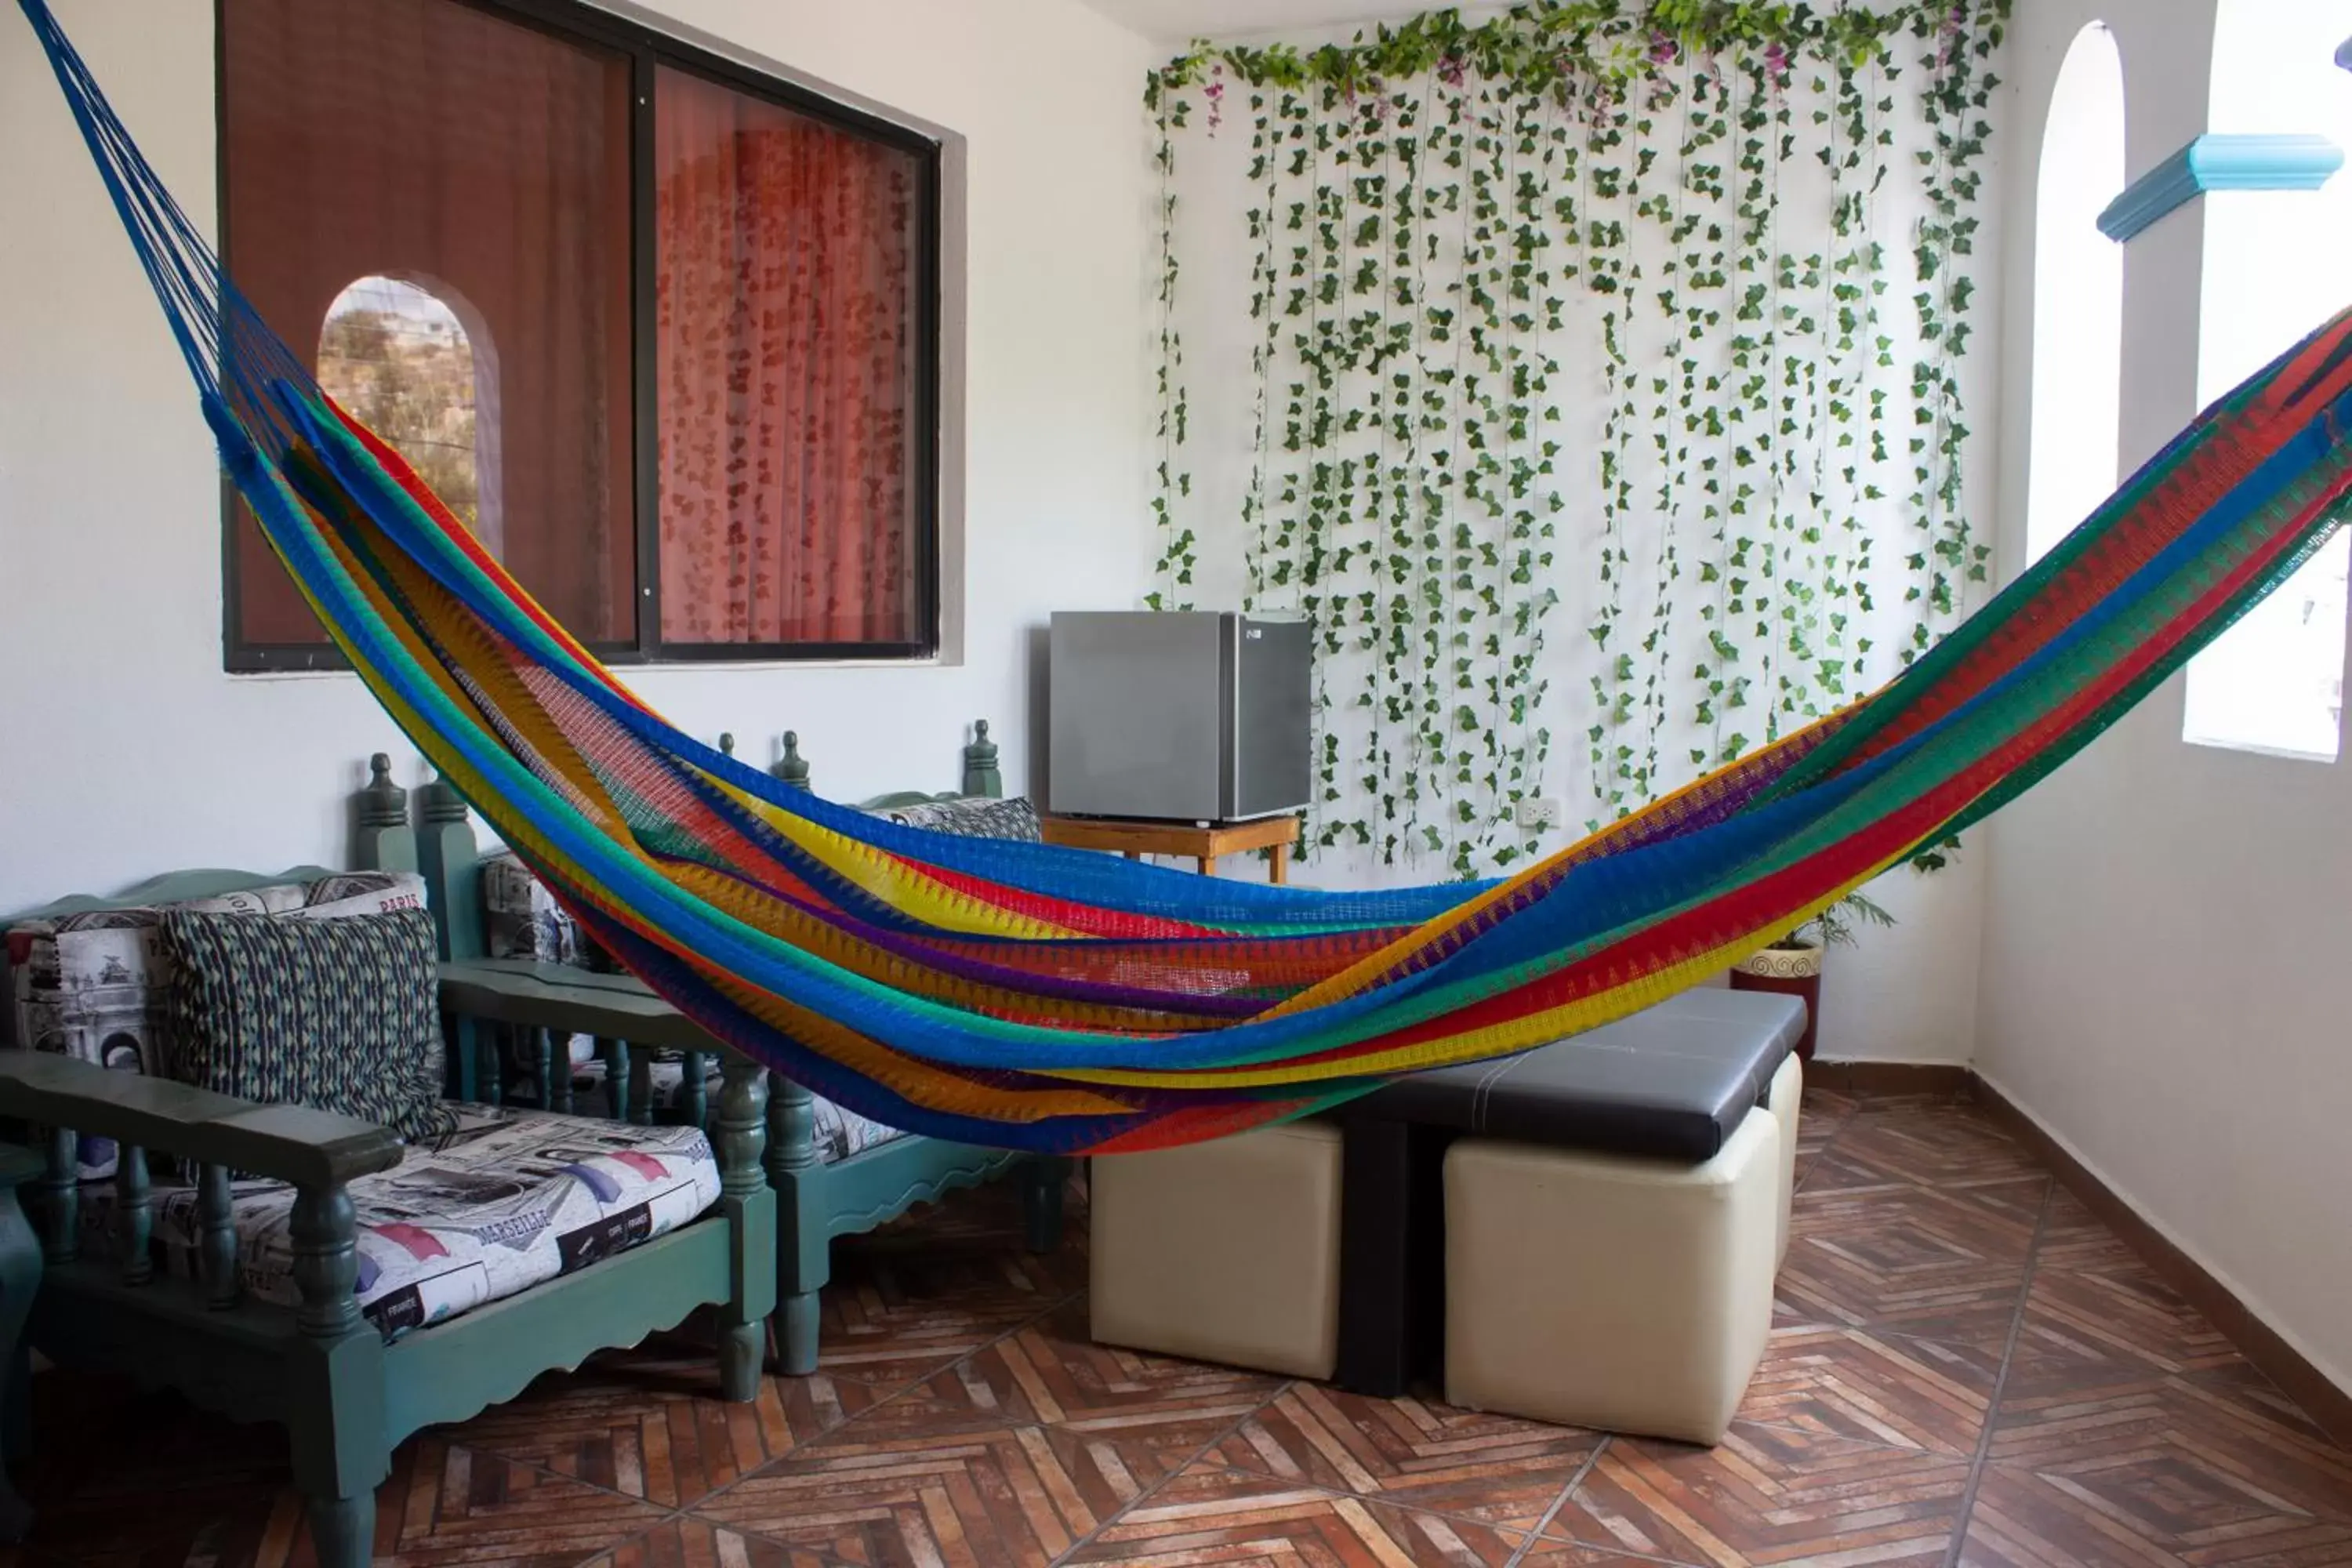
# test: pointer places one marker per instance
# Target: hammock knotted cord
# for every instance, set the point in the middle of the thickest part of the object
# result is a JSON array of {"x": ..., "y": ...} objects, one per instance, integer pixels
[{"x": 1061, "y": 1000}]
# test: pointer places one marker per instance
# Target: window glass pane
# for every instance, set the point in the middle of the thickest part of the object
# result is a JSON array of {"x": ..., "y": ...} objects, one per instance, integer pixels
[
  {"x": 2273, "y": 270},
  {"x": 787, "y": 386},
  {"x": 483, "y": 165},
  {"x": 397, "y": 357},
  {"x": 2078, "y": 296}
]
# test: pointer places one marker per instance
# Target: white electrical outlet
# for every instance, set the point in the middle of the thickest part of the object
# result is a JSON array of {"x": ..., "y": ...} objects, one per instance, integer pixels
[{"x": 1538, "y": 811}]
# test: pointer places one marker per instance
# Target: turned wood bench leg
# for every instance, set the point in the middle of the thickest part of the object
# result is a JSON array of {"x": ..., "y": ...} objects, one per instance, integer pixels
[
  {"x": 342, "y": 1529},
  {"x": 335, "y": 1374},
  {"x": 742, "y": 1138},
  {"x": 803, "y": 1243},
  {"x": 694, "y": 1093},
  {"x": 20, "y": 1277},
  {"x": 617, "y": 1068},
  {"x": 798, "y": 1317},
  {"x": 1042, "y": 1181},
  {"x": 641, "y": 1089}
]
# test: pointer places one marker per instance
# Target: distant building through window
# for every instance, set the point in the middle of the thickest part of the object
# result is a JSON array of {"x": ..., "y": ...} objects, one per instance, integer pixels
[
  {"x": 2078, "y": 295},
  {"x": 2274, "y": 270},
  {"x": 395, "y": 355}
]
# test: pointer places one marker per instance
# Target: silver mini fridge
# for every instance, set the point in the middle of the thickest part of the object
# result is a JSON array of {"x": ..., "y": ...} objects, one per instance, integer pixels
[{"x": 1184, "y": 716}]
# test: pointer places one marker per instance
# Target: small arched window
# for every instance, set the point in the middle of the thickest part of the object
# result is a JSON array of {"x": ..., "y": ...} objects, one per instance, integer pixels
[
  {"x": 405, "y": 361},
  {"x": 2078, "y": 295}
]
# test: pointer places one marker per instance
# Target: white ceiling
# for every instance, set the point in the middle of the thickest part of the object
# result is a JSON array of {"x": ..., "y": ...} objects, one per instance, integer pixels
[{"x": 1180, "y": 21}]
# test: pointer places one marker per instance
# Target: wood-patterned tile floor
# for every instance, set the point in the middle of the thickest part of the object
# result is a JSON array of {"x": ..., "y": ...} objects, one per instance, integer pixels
[{"x": 1968, "y": 1370}]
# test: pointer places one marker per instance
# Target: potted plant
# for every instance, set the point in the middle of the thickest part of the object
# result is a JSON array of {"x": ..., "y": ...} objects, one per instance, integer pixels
[{"x": 1793, "y": 965}]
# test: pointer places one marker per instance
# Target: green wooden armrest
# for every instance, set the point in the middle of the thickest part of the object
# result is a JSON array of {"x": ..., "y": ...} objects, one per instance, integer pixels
[
  {"x": 314, "y": 1149},
  {"x": 575, "y": 1001}
]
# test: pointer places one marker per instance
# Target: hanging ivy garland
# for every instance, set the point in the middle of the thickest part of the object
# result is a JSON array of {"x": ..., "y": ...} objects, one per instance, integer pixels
[{"x": 1762, "y": 484}]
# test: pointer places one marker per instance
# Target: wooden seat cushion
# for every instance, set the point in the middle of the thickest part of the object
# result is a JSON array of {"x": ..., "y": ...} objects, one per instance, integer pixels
[{"x": 508, "y": 1200}]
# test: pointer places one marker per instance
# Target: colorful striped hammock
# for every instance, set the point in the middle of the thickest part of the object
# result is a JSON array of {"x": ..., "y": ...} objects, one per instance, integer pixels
[{"x": 1063, "y": 1000}]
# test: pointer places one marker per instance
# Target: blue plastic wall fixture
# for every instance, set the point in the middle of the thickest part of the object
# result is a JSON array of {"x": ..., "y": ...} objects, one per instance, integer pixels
[{"x": 2220, "y": 163}]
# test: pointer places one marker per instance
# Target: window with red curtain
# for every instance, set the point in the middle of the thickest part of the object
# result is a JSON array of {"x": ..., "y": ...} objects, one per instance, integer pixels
[
  {"x": 698, "y": 308},
  {"x": 785, "y": 251}
]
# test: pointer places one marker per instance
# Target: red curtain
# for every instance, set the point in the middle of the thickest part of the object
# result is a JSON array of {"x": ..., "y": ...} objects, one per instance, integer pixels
[
  {"x": 487, "y": 163},
  {"x": 786, "y": 374}
]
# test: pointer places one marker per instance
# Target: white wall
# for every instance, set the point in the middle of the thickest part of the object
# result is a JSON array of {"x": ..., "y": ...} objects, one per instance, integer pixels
[
  {"x": 1907, "y": 993},
  {"x": 2163, "y": 948},
  {"x": 124, "y": 749}
]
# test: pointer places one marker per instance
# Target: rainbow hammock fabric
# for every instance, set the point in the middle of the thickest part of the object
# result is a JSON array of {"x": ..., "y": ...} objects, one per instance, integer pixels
[{"x": 1061, "y": 1000}]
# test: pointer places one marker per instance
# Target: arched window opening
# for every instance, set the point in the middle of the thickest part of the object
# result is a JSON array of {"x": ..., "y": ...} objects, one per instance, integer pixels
[
  {"x": 404, "y": 359},
  {"x": 2078, "y": 295},
  {"x": 2273, "y": 270}
]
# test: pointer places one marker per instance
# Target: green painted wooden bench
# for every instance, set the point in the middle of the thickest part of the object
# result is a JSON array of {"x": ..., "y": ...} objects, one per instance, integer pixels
[
  {"x": 346, "y": 1396},
  {"x": 817, "y": 1200}
]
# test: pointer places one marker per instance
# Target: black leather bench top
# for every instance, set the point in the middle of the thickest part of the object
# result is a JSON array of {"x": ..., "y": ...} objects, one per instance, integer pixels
[{"x": 1674, "y": 1080}]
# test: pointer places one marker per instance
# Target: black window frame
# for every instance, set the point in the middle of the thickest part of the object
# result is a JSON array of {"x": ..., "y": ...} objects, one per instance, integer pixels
[{"x": 647, "y": 49}]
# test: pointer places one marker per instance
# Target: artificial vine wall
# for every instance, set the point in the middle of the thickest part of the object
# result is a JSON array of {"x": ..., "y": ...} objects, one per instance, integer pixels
[{"x": 1593, "y": 376}]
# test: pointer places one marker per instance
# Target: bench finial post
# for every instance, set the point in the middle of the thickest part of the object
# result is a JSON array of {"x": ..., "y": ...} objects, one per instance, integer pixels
[
  {"x": 981, "y": 776},
  {"x": 792, "y": 767},
  {"x": 383, "y": 840}
]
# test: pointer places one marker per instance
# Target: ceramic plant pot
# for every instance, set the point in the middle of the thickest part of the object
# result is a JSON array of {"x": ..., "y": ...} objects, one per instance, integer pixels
[{"x": 1791, "y": 972}]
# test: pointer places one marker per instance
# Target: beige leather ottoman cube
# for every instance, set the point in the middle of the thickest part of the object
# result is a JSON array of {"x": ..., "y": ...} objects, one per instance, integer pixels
[
  {"x": 1226, "y": 1251},
  {"x": 1609, "y": 1290}
]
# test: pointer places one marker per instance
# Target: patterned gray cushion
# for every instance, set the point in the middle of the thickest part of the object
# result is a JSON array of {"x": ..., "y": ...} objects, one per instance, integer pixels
[
  {"x": 338, "y": 1015},
  {"x": 507, "y": 1199},
  {"x": 971, "y": 816},
  {"x": 521, "y": 918},
  {"x": 95, "y": 986}
]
